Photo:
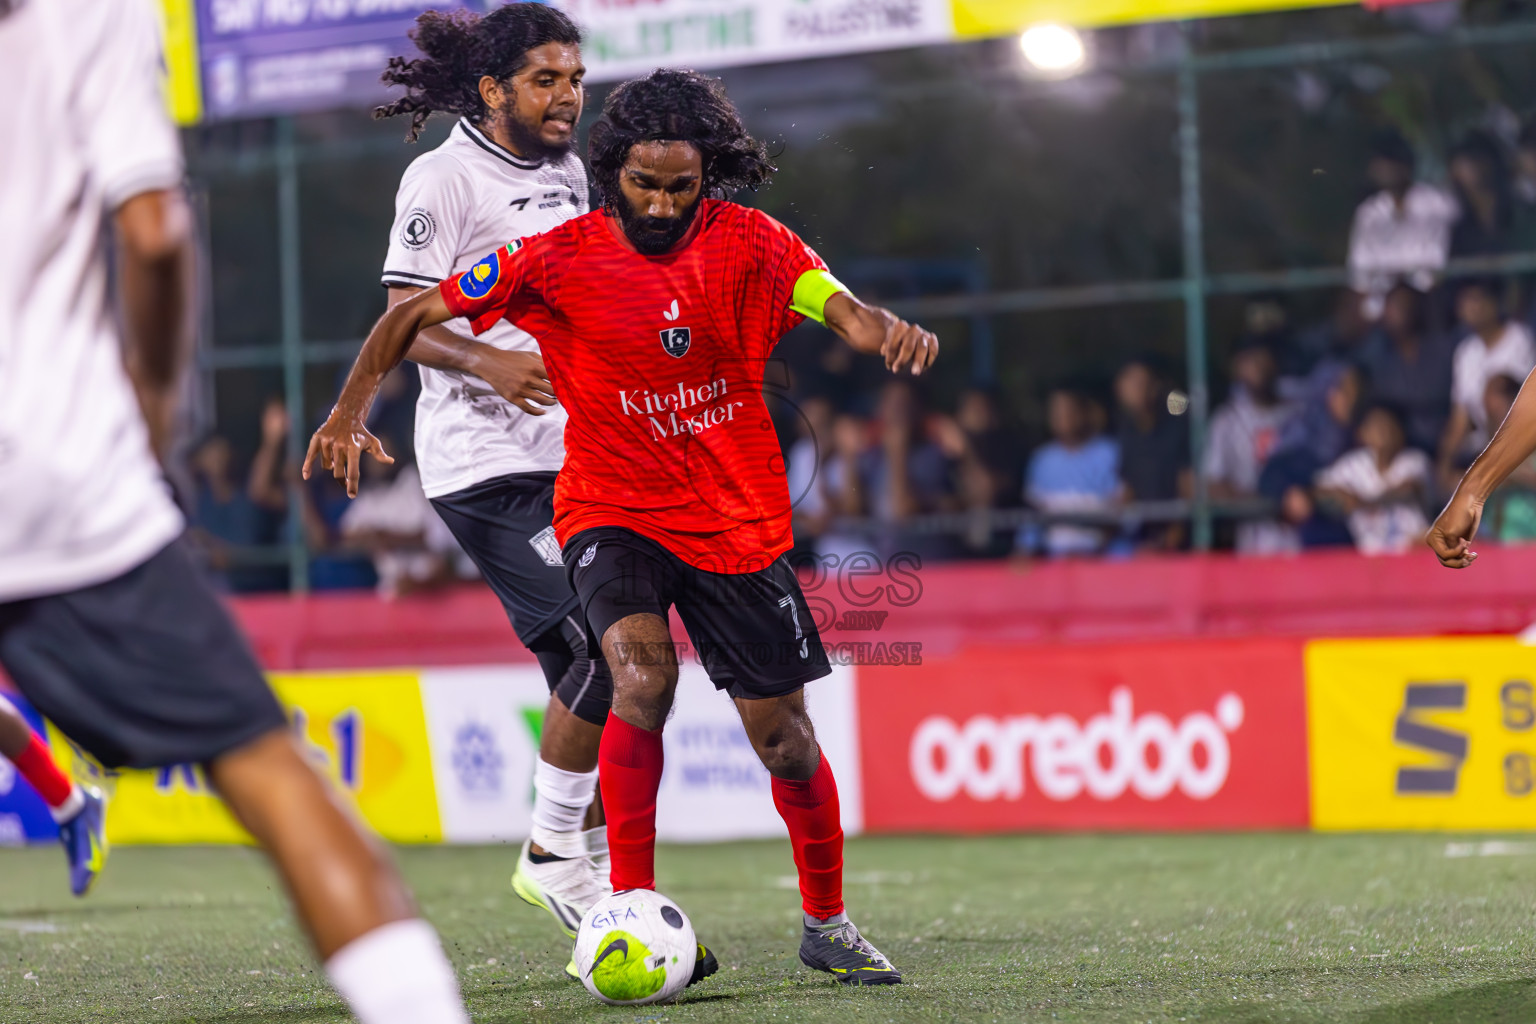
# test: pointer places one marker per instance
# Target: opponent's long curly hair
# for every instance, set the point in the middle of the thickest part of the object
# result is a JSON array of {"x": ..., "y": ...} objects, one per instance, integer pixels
[
  {"x": 681, "y": 106},
  {"x": 458, "y": 47}
]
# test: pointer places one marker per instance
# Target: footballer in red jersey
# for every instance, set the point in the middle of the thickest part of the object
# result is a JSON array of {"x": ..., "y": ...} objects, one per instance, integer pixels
[{"x": 656, "y": 315}]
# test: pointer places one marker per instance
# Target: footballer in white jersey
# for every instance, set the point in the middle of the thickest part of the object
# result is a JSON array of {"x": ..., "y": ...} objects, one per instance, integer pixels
[
  {"x": 107, "y": 625},
  {"x": 489, "y": 431}
]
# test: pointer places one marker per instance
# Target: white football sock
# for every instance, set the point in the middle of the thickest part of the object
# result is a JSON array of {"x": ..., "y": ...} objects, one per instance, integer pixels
[
  {"x": 398, "y": 974},
  {"x": 597, "y": 841},
  {"x": 72, "y": 805},
  {"x": 560, "y": 801}
]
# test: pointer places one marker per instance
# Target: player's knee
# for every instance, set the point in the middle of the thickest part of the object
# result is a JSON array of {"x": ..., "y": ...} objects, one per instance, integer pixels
[{"x": 788, "y": 748}]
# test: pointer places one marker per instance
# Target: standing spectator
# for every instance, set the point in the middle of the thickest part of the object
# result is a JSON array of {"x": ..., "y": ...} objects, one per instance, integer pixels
[
  {"x": 1408, "y": 366},
  {"x": 270, "y": 476},
  {"x": 1481, "y": 181},
  {"x": 984, "y": 462},
  {"x": 1493, "y": 345},
  {"x": 1402, "y": 230},
  {"x": 1076, "y": 471},
  {"x": 1245, "y": 431},
  {"x": 1338, "y": 337},
  {"x": 1154, "y": 447},
  {"x": 1380, "y": 486}
]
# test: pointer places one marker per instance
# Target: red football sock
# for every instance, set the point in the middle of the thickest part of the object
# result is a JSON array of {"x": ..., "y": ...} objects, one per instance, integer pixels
[
  {"x": 629, "y": 761},
  {"x": 36, "y": 765},
  {"x": 811, "y": 811}
]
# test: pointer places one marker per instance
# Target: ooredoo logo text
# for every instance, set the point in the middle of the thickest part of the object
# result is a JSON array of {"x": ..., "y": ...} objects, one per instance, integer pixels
[{"x": 1114, "y": 752}]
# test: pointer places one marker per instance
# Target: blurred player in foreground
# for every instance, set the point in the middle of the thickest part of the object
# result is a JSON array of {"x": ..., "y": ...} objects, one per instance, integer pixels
[
  {"x": 657, "y": 315},
  {"x": 1450, "y": 536},
  {"x": 106, "y": 624},
  {"x": 489, "y": 434},
  {"x": 78, "y": 810}
]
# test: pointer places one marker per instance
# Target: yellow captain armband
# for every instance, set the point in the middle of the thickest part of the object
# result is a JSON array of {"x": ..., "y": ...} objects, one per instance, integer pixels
[{"x": 812, "y": 291}]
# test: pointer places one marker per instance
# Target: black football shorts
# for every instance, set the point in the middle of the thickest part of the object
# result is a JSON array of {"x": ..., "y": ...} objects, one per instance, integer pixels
[
  {"x": 143, "y": 670},
  {"x": 503, "y": 525},
  {"x": 753, "y": 631}
]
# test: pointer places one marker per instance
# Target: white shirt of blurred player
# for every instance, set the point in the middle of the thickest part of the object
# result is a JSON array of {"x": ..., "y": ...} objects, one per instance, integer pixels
[
  {"x": 456, "y": 204},
  {"x": 1381, "y": 529},
  {"x": 1476, "y": 362},
  {"x": 1387, "y": 243},
  {"x": 82, "y": 499}
]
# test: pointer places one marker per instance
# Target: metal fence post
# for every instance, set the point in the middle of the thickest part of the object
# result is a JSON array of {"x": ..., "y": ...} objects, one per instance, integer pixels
[
  {"x": 291, "y": 299},
  {"x": 1194, "y": 286}
]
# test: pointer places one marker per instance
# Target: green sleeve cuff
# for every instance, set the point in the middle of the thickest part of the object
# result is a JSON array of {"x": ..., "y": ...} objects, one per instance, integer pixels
[{"x": 812, "y": 291}]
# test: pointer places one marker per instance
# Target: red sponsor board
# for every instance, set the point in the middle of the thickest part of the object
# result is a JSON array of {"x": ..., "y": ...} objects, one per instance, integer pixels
[{"x": 1178, "y": 735}]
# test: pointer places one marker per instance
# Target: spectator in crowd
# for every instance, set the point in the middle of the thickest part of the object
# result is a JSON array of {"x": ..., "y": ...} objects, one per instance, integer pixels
[
  {"x": 843, "y": 489},
  {"x": 1401, "y": 230},
  {"x": 1319, "y": 433},
  {"x": 1481, "y": 181},
  {"x": 224, "y": 514},
  {"x": 984, "y": 463},
  {"x": 803, "y": 468},
  {"x": 270, "y": 478},
  {"x": 1493, "y": 345},
  {"x": 1245, "y": 432},
  {"x": 1337, "y": 338},
  {"x": 1076, "y": 471},
  {"x": 392, "y": 520},
  {"x": 906, "y": 473},
  {"x": 1409, "y": 366},
  {"x": 1510, "y": 515},
  {"x": 1380, "y": 486},
  {"x": 1153, "y": 448}
]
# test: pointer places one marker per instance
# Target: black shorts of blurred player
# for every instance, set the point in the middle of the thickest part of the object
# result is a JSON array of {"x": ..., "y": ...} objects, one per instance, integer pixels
[
  {"x": 504, "y": 526},
  {"x": 753, "y": 633},
  {"x": 148, "y": 670}
]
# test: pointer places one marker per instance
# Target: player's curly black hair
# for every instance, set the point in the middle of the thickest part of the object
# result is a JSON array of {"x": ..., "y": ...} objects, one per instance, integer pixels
[
  {"x": 682, "y": 106},
  {"x": 458, "y": 47}
]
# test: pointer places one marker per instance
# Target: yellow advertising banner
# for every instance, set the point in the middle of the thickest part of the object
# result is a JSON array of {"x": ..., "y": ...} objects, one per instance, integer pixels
[
  {"x": 1000, "y": 17},
  {"x": 366, "y": 730},
  {"x": 1422, "y": 734},
  {"x": 183, "y": 91}
]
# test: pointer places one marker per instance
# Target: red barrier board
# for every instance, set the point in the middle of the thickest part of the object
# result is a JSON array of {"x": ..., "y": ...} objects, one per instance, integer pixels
[{"x": 1178, "y": 735}]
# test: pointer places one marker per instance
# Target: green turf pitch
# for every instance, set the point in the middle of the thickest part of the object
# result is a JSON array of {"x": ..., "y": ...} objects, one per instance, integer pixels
[{"x": 1365, "y": 929}]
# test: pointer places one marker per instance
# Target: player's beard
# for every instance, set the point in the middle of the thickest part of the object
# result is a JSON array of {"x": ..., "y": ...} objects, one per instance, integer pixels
[
  {"x": 528, "y": 143},
  {"x": 652, "y": 236}
]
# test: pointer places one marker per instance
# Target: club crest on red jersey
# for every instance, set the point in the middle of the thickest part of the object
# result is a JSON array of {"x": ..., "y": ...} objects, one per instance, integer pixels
[{"x": 676, "y": 340}]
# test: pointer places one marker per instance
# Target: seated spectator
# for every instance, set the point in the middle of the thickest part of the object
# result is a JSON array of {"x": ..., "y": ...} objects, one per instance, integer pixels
[
  {"x": 270, "y": 478},
  {"x": 803, "y": 468},
  {"x": 1076, "y": 471},
  {"x": 984, "y": 463},
  {"x": 393, "y": 521},
  {"x": 1493, "y": 345},
  {"x": 1402, "y": 230},
  {"x": 906, "y": 474},
  {"x": 1380, "y": 486},
  {"x": 1154, "y": 448},
  {"x": 1335, "y": 339},
  {"x": 1510, "y": 515},
  {"x": 1480, "y": 180},
  {"x": 1245, "y": 432},
  {"x": 1319, "y": 433},
  {"x": 1409, "y": 365},
  {"x": 843, "y": 490},
  {"x": 224, "y": 517}
]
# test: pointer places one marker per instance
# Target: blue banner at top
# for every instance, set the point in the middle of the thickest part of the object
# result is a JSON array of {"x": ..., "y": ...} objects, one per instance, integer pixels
[{"x": 263, "y": 57}]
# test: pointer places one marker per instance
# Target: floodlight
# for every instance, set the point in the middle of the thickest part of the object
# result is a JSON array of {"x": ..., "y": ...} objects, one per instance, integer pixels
[{"x": 1056, "y": 49}]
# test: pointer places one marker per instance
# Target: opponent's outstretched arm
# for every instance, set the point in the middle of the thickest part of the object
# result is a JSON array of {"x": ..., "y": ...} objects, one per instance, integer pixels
[
  {"x": 343, "y": 437},
  {"x": 1513, "y": 443},
  {"x": 876, "y": 331}
]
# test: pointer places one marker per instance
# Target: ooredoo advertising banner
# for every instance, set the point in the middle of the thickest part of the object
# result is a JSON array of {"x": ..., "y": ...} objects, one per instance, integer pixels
[
  {"x": 1136, "y": 736},
  {"x": 1422, "y": 734}
]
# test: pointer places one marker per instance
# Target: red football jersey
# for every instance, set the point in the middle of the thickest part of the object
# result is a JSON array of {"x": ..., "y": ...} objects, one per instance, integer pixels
[{"x": 659, "y": 361}]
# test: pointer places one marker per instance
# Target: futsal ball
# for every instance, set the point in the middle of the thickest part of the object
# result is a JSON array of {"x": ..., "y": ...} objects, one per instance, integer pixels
[{"x": 635, "y": 947}]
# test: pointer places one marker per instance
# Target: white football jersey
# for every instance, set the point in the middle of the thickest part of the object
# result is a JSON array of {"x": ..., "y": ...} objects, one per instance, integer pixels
[
  {"x": 456, "y": 204},
  {"x": 82, "y": 498}
]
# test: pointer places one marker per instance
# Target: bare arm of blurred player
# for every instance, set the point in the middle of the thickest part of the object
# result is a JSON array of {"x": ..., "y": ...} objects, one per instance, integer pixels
[
  {"x": 876, "y": 331},
  {"x": 1451, "y": 535},
  {"x": 519, "y": 377},
  {"x": 342, "y": 438},
  {"x": 154, "y": 241}
]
